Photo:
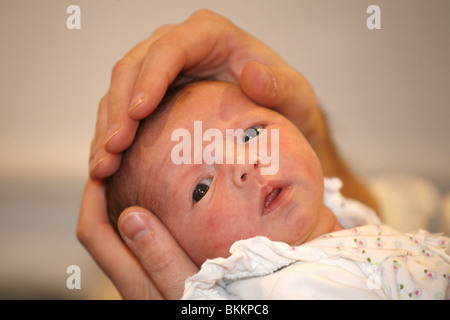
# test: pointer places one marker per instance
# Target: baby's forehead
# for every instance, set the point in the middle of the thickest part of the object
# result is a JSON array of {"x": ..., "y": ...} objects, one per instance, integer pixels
[
  {"x": 203, "y": 106},
  {"x": 211, "y": 101}
]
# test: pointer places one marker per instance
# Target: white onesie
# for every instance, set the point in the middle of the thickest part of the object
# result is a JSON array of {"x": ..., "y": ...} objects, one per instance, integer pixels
[{"x": 363, "y": 262}]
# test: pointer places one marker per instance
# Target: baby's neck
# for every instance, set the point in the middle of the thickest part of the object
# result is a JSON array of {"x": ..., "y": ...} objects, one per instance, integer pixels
[{"x": 326, "y": 223}]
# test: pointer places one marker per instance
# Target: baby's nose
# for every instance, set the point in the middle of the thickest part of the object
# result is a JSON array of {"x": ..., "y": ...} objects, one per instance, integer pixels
[{"x": 243, "y": 172}]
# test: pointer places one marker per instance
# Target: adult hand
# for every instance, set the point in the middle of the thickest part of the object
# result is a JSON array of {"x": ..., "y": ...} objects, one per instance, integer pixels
[
  {"x": 148, "y": 264},
  {"x": 204, "y": 45}
]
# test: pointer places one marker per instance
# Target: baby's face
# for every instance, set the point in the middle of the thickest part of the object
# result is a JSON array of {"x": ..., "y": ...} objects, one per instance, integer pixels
[{"x": 207, "y": 207}]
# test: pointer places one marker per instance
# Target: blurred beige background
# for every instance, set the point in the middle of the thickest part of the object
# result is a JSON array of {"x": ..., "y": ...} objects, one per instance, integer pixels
[{"x": 386, "y": 93}]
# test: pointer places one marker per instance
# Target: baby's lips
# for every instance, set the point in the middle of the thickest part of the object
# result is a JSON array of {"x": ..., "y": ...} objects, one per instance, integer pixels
[{"x": 270, "y": 196}]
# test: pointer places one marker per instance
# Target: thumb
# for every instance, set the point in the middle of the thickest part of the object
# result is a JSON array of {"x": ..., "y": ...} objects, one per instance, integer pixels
[
  {"x": 158, "y": 252},
  {"x": 283, "y": 89},
  {"x": 259, "y": 82}
]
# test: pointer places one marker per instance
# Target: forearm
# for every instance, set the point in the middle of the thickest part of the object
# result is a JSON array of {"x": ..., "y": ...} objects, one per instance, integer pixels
[{"x": 334, "y": 165}]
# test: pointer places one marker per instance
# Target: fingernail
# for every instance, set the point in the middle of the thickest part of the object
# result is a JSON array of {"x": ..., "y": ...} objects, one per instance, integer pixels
[
  {"x": 95, "y": 162},
  {"x": 135, "y": 226},
  {"x": 111, "y": 133},
  {"x": 137, "y": 101},
  {"x": 270, "y": 77}
]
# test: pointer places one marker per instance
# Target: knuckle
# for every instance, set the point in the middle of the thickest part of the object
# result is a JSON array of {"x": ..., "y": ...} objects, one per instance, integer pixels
[
  {"x": 103, "y": 102},
  {"x": 213, "y": 21},
  {"x": 82, "y": 234},
  {"x": 120, "y": 66},
  {"x": 162, "y": 30},
  {"x": 209, "y": 18},
  {"x": 202, "y": 13},
  {"x": 102, "y": 105},
  {"x": 92, "y": 149}
]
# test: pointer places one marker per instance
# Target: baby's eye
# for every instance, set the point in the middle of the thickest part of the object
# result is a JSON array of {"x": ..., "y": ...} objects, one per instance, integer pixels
[
  {"x": 201, "y": 189},
  {"x": 252, "y": 132}
]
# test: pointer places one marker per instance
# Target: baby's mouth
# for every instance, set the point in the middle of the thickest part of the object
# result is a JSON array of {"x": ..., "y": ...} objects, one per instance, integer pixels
[{"x": 271, "y": 197}]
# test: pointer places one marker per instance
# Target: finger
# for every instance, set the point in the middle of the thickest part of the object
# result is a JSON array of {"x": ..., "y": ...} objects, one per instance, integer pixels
[
  {"x": 106, "y": 165},
  {"x": 283, "y": 89},
  {"x": 154, "y": 79},
  {"x": 115, "y": 130},
  {"x": 97, "y": 235},
  {"x": 159, "y": 253},
  {"x": 102, "y": 163},
  {"x": 98, "y": 153},
  {"x": 100, "y": 127},
  {"x": 259, "y": 84},
  {"x": 121, "y": 129},
  {"x": 179, "y": 51},
  {"x": 93, "y": 224}
]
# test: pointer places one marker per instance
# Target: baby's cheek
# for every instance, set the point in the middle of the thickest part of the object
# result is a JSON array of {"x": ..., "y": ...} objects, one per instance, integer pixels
[{"x": 226, "y": 227}]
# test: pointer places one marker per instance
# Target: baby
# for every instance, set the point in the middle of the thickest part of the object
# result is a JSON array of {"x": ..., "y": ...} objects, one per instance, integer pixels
[{"x": 209, "y": 205}]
